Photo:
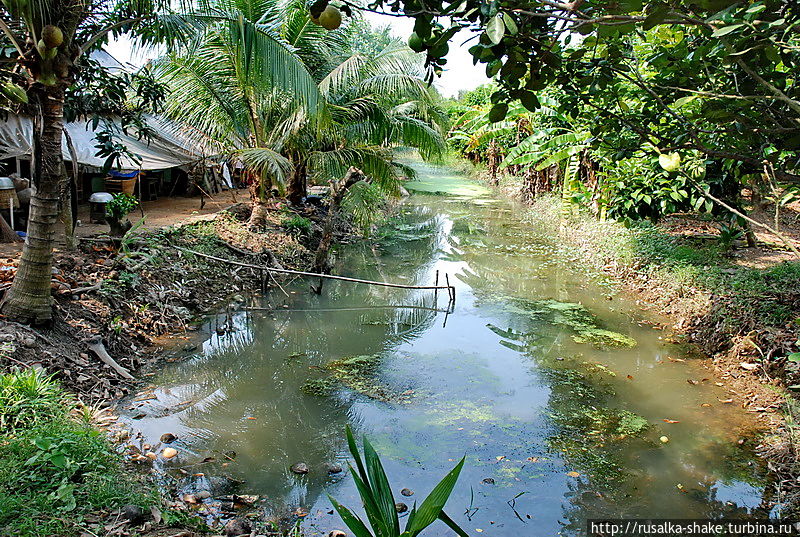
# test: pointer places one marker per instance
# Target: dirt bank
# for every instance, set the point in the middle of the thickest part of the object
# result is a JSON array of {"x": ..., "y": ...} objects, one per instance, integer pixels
[{"x": 130, "y": 299}]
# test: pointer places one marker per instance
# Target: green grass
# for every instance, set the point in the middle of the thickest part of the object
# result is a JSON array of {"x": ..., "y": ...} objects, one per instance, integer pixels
[
  {"x": 54, "y": 470},
  {"x": 296, "y": 224}
]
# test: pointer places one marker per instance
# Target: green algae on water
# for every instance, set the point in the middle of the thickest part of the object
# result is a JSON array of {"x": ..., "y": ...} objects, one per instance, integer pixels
[
  {"x": 358, "y": 373},
  {"x": 574, "y": 316}
]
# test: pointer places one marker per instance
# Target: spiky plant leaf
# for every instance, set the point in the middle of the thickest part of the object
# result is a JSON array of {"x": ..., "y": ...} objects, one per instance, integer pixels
[{"x": 432, "y": 506}]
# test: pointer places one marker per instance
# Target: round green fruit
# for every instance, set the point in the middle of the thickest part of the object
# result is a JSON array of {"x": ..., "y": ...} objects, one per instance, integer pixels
[
  {"x": 331, "y": 18},
  {"x": 440, "y": 51},
  {"x": 416, "y": 43},
  {"x": 52, "y": 36},
  {"x": 670, "y": 161}
]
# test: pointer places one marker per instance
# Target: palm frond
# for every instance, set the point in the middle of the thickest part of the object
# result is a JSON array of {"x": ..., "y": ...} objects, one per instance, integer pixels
[{"x": 267, "y": 162}]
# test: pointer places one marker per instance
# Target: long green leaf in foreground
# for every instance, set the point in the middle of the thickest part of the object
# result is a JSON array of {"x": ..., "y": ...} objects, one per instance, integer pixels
[
  {"x": 378, "y": 502},
  {"x": 381, "y": 488},
  {"x": 352, "y": 521},
  {"x": 429, "y": 510}
]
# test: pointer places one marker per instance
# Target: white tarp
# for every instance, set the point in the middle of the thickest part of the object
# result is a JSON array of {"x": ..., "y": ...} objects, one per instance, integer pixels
[{"x": 167, "y": 149}]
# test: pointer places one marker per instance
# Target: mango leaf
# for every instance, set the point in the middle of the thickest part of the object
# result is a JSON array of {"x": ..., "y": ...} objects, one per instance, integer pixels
[
  {"x": 511, "y": 25},
  {"x": 655, "y": 17},
  {"x": 498, "y": 112},
  {"x": 530, "y": 101},
  {"x": 496, "y": 29},
  {"x": 725, "y": 30}
]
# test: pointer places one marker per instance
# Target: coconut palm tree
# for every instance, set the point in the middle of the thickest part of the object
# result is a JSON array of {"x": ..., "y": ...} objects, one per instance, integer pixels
[
  {"x": 366, "y": 104},
  {"x": 49, "y": 38},
  {"x": 374, "y": 101}
]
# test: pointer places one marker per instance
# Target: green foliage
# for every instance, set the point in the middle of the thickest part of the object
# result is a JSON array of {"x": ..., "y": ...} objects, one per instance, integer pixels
[
  {"x": 480, "y": 96},
  {"x": 595, "y": 439},
  {"x": 379, "y": 504},
  {"x": 121, "y": 205},
  {"x": 53, "y": 470},
  {"x": 27, "y": 398},
  {"x": 709, "y": 87},
  {"x": 368, "y": 87},
  {"x": 729, "y": 232},
  {"x": 574, "y": 316},
  {"x": 364, "y": 202},
  {"x": 297, "y": 224},
  {"x": 636, "y": 188},
  {"x": 358, "y": 373}
]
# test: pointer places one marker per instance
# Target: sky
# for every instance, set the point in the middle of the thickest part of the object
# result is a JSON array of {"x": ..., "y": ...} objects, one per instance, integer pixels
[{"x": 459, "y": 74}]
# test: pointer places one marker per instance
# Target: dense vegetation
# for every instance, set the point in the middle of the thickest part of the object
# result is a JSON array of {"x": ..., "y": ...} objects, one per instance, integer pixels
[
  {"x": 625, "y": 113},
  {"x": 365, "y": 94},
  {"x": 57, "y": 471}
]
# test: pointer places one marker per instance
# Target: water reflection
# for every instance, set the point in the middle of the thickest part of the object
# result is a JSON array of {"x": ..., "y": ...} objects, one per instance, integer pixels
[{"x": 557, "y": 395}]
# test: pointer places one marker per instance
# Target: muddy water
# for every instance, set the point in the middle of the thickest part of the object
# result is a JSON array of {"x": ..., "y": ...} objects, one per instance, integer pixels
[{"x": 567, "y": 403}]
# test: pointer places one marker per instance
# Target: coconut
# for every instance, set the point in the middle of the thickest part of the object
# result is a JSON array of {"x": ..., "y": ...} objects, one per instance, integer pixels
[
  {"x": 52, "y": 36},
  {"x": 331, "y": 18},
  {"x": 416, "y": 43}
]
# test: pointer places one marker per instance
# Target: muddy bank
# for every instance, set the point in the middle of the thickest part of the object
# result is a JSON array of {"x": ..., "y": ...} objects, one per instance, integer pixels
[
  {"x": 133, "y": 299},
  {"x": 742, "y": 316},
  {"x": 123, "y": 308}
]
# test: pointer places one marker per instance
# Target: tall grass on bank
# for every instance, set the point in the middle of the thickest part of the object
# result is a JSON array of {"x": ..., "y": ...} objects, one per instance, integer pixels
[{"x": 54, "y": 471}]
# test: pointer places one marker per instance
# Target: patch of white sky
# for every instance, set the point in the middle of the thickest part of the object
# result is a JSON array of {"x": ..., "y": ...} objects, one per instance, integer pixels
[{"x": 459, "y": 74}]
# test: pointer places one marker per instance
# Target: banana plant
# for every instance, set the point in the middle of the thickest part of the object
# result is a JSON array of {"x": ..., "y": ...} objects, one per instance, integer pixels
[
  {"x": 376, "y": 495},
  {"x": 544, "y": 148}
]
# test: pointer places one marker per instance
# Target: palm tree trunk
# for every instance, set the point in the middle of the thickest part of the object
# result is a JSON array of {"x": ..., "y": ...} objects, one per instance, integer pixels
[
  {"x": 259, "y": 190},
  {"x": 28, "y": 300},
  {"x": 6, "y": 233},
  {"x": 296, "y": 189}
]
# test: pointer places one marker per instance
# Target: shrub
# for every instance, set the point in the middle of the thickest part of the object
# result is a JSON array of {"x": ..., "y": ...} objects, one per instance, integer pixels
[
  {"x": 376, "y": 496},
  {"x": 120, "y": 206},
  {"x": 298, "y": 225},
  {"x": 53, "y": 470}
]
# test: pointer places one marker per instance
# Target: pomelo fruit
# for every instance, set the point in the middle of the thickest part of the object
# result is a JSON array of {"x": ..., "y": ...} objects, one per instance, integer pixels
[
  {"x": 669, "y": 161},
  {"x": 416, "y": 43}
]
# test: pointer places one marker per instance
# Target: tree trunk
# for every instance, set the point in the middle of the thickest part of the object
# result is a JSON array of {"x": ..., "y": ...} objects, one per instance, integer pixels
[
  {"x": 67, "y": 215},
  {"x": 6, "y": 233},
  {"x": 338, "y": 190},
  {"x": 28, "y": 300},
  {"x": 296, "y": 190},
  {"x": 259, "y": 196}
]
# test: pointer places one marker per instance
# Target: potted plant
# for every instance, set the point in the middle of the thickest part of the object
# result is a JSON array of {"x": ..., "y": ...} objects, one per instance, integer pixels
[{"x": 117, "y": 211}]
